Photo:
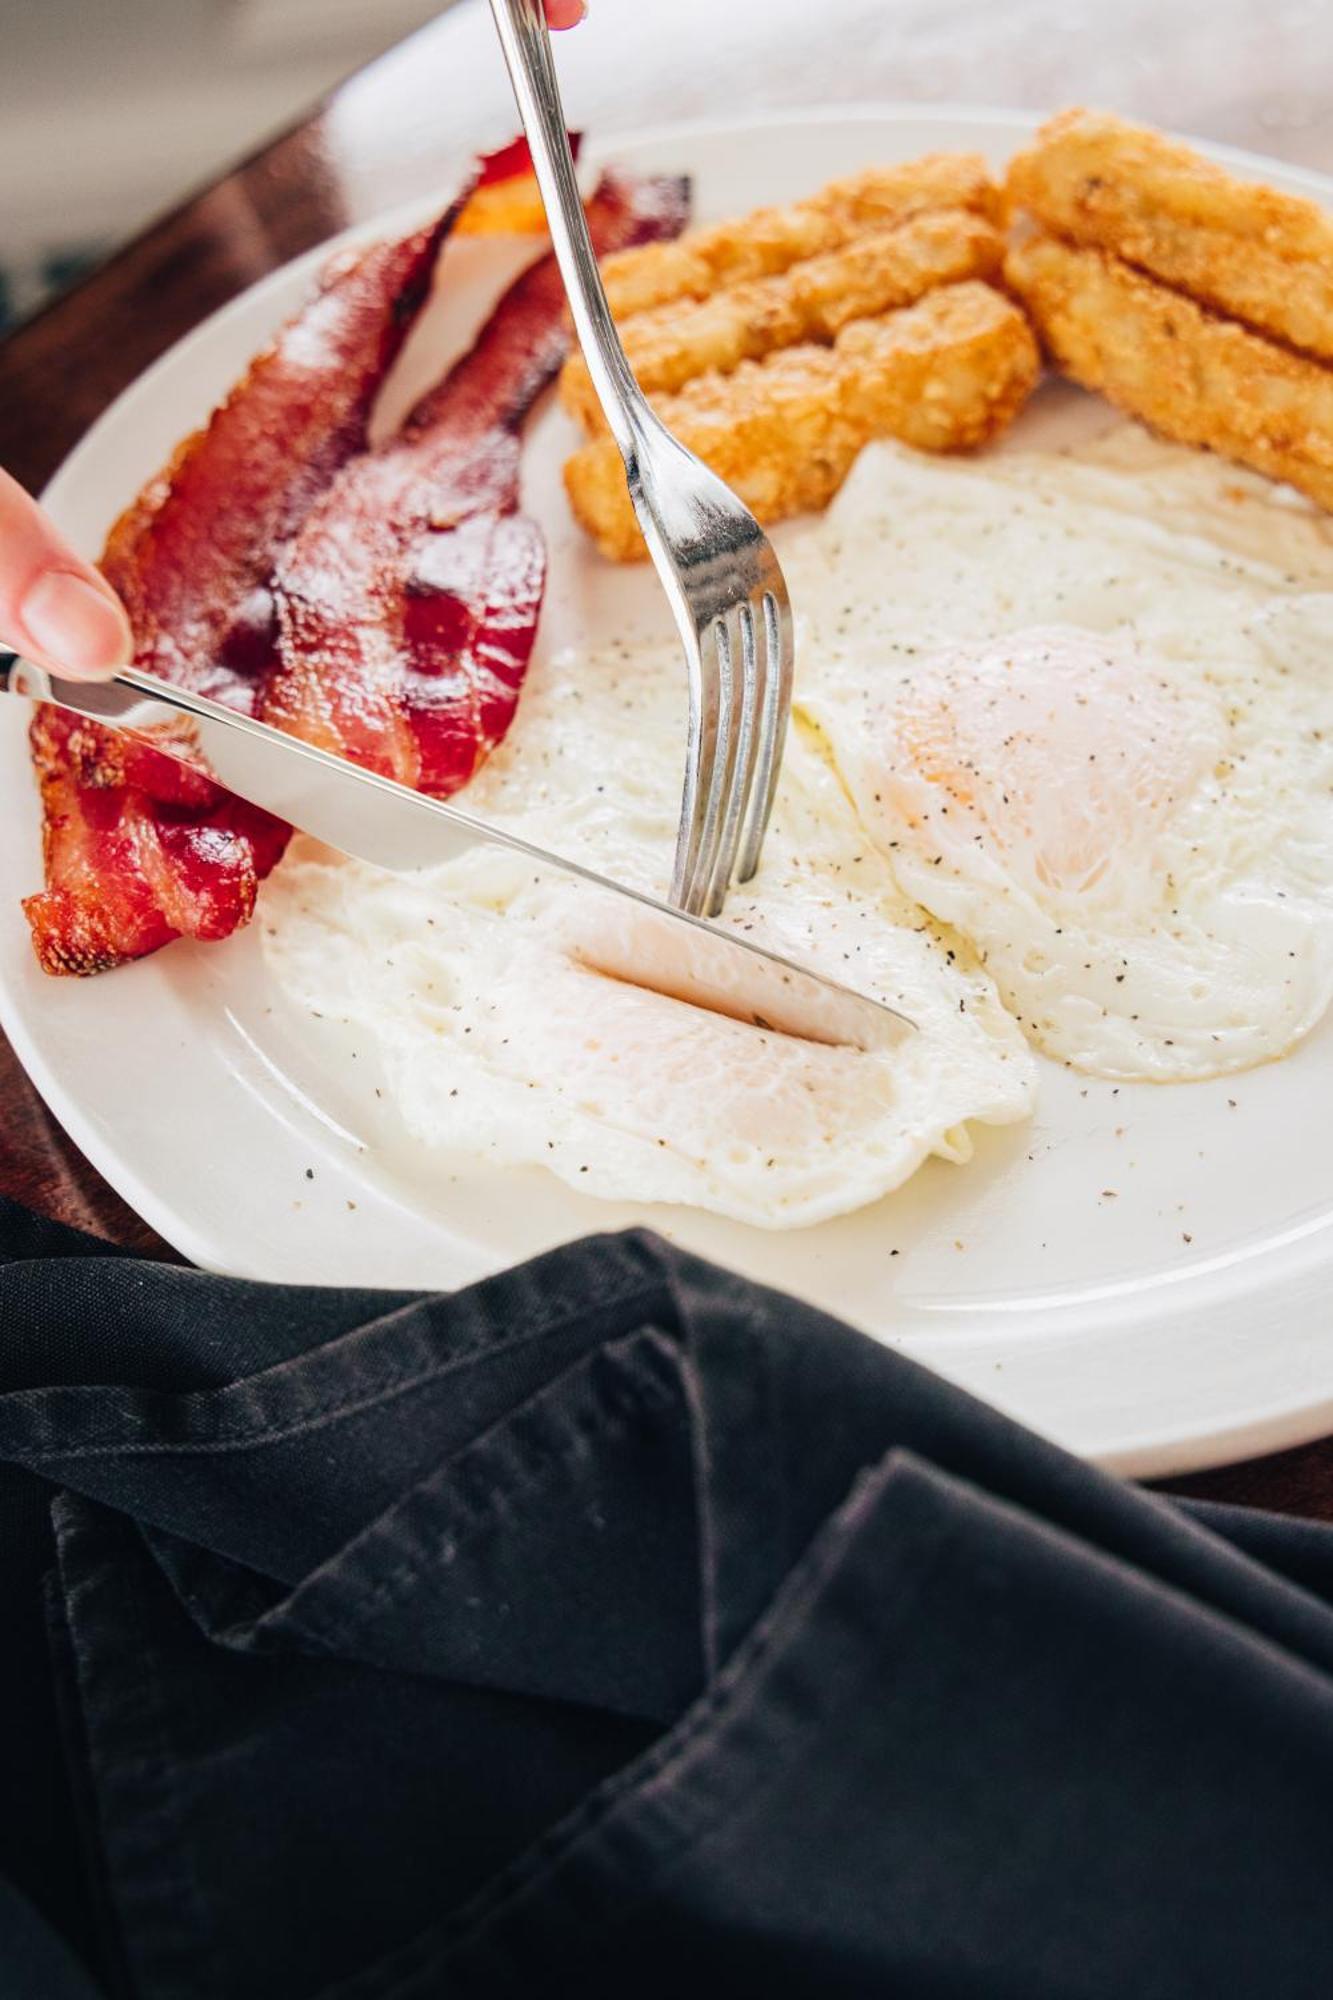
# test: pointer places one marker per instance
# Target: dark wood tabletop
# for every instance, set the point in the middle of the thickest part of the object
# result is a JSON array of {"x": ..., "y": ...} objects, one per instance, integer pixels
[{"x": 1254, "y": 76}]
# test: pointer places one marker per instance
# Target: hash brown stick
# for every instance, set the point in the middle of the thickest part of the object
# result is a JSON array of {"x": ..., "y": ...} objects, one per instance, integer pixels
[
  {"x": 1262, "y": 256},
  {"x": 943, "y": 375},
  {"x": 1192, "y": 376},
  {"x": 772, "y": 239},
  {"x": 811, "y": 301}
]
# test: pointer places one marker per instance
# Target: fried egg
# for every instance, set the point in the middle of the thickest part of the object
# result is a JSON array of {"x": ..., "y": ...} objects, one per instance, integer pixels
[
  {"x": 1086, "y": 713},
  {"x": 499, "y": 1044}
]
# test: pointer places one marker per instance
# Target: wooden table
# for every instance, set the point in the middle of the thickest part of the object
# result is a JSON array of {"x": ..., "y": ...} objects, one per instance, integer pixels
[{"x": 1255, "y": 76}]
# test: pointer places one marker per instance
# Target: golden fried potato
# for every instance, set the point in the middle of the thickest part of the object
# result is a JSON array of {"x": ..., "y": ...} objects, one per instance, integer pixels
[
  {"x": 812, "y": 300},
  {"x": 945, "y": 374},
  {"x": 1194, "y": 377},
  {"x": 510, "y": 207},
  {"x": 772, "y": 239},
  {"x": 1262, "y": 256}
]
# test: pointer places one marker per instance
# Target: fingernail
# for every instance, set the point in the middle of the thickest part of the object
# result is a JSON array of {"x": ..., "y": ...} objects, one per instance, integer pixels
[{"x": 74, "y": 625}]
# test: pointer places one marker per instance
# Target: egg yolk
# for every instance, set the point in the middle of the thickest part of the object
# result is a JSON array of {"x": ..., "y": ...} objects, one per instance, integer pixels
[{"x": 1057, "y": 754}]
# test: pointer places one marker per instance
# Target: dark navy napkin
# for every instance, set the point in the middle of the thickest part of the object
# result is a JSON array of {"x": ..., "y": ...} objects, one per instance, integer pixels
[{"x": 616, "y": 1627}]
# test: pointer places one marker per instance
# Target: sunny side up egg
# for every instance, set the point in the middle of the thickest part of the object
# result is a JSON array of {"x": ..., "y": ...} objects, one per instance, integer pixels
[
  {"x": 1087, "y": 713},
  {"x": 499, "y": 1045}
]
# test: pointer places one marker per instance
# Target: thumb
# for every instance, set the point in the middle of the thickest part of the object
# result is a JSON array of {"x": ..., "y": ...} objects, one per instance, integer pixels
[{"x": 54, "y": 607}]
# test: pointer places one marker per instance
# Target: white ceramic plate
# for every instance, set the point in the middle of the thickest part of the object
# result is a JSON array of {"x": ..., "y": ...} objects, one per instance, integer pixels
[{"x": 1186, "y": 1322}]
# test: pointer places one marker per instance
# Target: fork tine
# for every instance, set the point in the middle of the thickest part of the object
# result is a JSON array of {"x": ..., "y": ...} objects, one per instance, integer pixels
[
  {"x": 724, "y": 649},
  {"x": 746, "y": 687},
  {"x": 710, "y": 705},
  {"x": 700, "y": 760},
  {"x": 780, "y": 646}
]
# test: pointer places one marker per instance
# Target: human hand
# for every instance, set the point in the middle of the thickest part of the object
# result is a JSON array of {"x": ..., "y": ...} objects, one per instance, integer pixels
[
  {"x": 565, "y": 13},
  {"x": 54, "y": 607}
]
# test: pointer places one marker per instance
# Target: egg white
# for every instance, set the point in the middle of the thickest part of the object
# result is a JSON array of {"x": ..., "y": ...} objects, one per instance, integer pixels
[
  {"x": 500, "y": 1045},
  {"x": 1086, "y": 711}
]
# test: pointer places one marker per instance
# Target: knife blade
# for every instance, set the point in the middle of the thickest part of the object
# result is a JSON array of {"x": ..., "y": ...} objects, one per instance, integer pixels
[{"x": 617, "y": 930}]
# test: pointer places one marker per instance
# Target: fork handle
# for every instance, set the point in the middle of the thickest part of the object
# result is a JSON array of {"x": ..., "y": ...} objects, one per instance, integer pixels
[{"x": 526, "y": 41}]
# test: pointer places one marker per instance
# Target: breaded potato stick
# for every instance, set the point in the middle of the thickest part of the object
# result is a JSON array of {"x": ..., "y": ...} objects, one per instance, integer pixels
[
  {"x": 811, "y": 301},
  {"x": 1262, "y": 256},
  {"x": 944, "y": 375},
  {"x": 1192, "y": 376},
  {"x": 772, "y": 239}
]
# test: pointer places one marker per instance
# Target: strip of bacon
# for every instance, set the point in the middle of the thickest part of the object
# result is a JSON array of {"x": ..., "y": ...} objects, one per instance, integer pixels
[
  {"x": 136, "y": 852},
  {"x": 408, "y": 602},
  {"x": 192, "y": 557},
  {"x": 139, "y": 850},
  {"x": 514, "y": 161}
]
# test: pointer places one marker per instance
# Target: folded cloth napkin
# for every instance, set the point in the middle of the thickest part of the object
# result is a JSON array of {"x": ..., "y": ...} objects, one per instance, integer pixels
[{"x": 616, "y": 1627}]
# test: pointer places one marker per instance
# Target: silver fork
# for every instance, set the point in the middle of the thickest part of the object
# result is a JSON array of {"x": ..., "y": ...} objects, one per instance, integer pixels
[{"x": 715, "y": 563}]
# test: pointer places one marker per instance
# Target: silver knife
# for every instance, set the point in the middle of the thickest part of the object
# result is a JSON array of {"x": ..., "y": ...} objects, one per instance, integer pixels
[{"x": 617, "y": 930}]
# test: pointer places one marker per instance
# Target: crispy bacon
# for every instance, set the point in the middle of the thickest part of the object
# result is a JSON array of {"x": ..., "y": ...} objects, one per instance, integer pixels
[
  {"x": 448, "y": 582},
  {"x": 193, "y": 556},
  {"x": 408, "y": 602},
  {"x": 138, "y": 849},
  {"x": 136, "y": 852},
  {"x": 514, "y": 161}
]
